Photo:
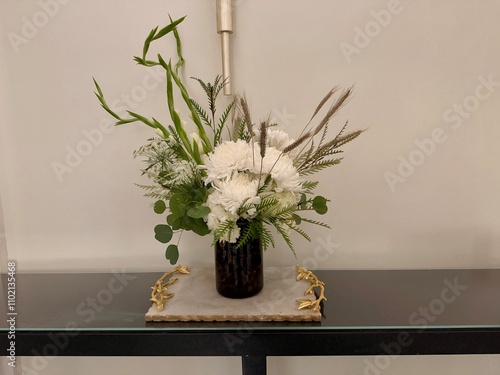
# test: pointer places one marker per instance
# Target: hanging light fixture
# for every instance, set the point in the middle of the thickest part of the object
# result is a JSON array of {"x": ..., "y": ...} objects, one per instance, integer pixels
[{"x": 224, "y": 10}]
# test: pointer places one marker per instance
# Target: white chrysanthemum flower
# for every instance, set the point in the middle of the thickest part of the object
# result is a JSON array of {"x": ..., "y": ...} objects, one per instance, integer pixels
[
  {"x": 286, "y": 176},
  {"x": 228, "y": 159},
  {"x": 281, "y": 168},
  {"x": 235, "y": 170},
  {"x": 275, "y": 138},
  {"x": 226, "y": 200},
  {"x": 218, "y": 214},
  {"x": 279, "y": 140},
  {"x": 232, "y": 194}
]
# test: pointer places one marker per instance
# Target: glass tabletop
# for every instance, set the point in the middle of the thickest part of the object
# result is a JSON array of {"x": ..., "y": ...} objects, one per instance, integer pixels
[{"x": 356, "y": 299}]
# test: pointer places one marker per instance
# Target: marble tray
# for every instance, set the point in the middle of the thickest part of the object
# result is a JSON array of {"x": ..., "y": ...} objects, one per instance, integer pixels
[{"x": 196, "y": 299}]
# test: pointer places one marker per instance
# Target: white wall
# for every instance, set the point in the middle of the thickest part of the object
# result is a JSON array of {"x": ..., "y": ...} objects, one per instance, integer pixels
[
  {"x": 416, "y": 66},
  {"x": 410, "y": 76}
]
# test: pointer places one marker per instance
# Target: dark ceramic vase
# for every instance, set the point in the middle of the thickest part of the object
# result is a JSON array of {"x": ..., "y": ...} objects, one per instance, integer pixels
[{"x": 239, "y": 272}]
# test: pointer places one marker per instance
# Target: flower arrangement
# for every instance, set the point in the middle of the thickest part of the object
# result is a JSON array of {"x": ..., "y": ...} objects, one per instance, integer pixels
[{"x": 231, "y": 177}]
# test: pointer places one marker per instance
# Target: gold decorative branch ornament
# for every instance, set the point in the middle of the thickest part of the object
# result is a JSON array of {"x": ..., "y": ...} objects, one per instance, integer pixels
[
  {"x": 159, "y": 291},
  {"x": 303, "y": 273}
]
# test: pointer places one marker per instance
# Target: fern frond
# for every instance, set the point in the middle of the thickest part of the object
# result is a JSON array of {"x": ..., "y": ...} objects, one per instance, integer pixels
[
  {"x": 319, "y": 166},
  {"x": 205, "y": 87},
  {"x": 147, "y": 187},
  {"x": 251, "y": 231},
  {"x": 303, "y": 157},
  {"x": 212, "y": 91},
  {"x": 154, "y": 195},
  {"x": 219, "y": 85},
  {"x": 266, "y": 204},
  {"x": 202, "y": 113},
  {"x": 284, "y": 233},
  {"x": 323, "y": 136},
  {"x": 323, "y": 150},
  {"x": 332, "y": 147},
  {"x": 309, "y": 186},
  {"x": 315, "y": 222},
  {"x": 267, "y": 238},
  {"x": 284, "y": 213},
  {"x": 222, "y": 123},
  {"x": 223, "y": 229},
  {"x": 348, "y": 137},
  {"x": 241, "y": 130},
  {"x": 151, "y": 191},
  {"x": 301, "y": 232},
  {"x": 339, "y": 134}
]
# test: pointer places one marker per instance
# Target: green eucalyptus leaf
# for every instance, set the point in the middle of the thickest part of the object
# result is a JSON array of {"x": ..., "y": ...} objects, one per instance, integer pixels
[
  {"x": 321, "y": 210},
  {"x": 171, "y": 219},
  {"x": 200, "y": 194},
  {"x": 186, "y": 222},
  {"x": 199, "y": 227},
  {"x": 319, "y": 201},
  {"x": 319, "y": 205},
  {"x": 198, "y": 212},
  {"x": 172, "y": 254},
  {"x": 163, "y": 233},
  {"x": 159, "y": 207},
  {"x": 177, "y": 205},
  {"x": 176, "y": 223}
]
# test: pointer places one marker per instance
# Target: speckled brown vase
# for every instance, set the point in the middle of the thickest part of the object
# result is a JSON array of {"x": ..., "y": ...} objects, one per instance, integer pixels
[{"x": 239, "y": 272}]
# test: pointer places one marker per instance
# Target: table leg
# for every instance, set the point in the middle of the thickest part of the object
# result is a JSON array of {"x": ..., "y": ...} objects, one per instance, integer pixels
[{"x": 252, "y": 365}]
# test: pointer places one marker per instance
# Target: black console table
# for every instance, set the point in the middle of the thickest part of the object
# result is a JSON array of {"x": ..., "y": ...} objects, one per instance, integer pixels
[{"x": 368, "y": 312}]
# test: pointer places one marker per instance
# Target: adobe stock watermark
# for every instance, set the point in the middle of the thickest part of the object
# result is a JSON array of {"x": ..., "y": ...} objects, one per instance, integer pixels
[
  {"x": 281, "y": 117},
  {"x": 94, "y": 137},
  {"x": 87, "y": 310},
  {"x": 363, "y": 36},
  {"x": 31, "y": 25},
  {"x": 322, "y": 251},
  {"x": 454, "y": 117},
  {"x": 420, "y": 318}
]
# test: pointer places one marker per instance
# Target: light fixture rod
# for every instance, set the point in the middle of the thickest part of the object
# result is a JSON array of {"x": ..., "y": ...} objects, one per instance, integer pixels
[{"x": 225, "y": 28}]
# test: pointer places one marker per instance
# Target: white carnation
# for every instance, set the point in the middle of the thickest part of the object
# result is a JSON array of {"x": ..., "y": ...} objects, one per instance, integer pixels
[
  {"x": 278, "y": 139},
  {"x": 228, "y": 159},
  {"x": 281, "y": 168},
  {"x": 234, "y": 193}
]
